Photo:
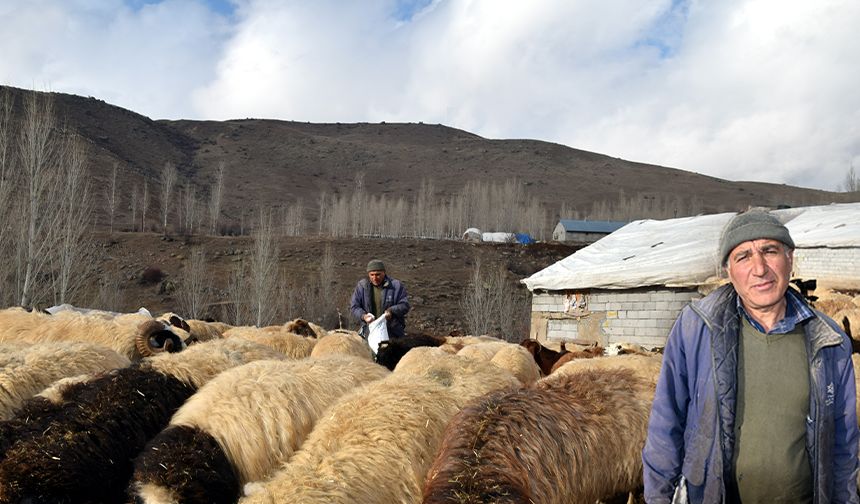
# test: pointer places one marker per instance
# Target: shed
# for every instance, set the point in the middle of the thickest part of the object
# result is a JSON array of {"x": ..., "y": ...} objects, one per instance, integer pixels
[
  {"x": 584, "y": 231},
  {"x": 472, "y": 235},
  {"x": 631, "y": 285}
]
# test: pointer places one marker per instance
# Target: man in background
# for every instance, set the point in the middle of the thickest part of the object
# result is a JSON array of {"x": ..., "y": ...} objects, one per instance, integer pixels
[{"x": 379, "y": 295}]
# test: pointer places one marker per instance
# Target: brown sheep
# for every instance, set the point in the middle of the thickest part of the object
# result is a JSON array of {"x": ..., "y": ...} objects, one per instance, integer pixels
[{"x": 576, "y": 438}]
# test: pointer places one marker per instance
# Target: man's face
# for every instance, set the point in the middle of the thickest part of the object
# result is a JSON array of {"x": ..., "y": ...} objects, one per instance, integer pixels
[
  {"x": 376, "y": 277},
  {"x": 760, "y": 271}
]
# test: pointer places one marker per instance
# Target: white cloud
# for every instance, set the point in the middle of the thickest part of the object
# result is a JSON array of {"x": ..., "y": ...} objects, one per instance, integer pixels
[{"x": 739, "y": 89}]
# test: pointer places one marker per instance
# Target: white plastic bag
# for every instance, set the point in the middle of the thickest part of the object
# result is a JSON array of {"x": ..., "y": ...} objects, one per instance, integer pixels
[{"x": 377, "y": 332}]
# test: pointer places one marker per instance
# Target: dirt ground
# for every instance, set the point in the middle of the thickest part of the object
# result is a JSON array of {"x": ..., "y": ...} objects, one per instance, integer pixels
[{"x": 436, "y": 272}]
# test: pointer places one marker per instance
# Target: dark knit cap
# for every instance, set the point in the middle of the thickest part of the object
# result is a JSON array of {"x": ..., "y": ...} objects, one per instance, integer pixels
[
  {"x": 375, "y": 265},
  {"x": 752, "y": 225}
]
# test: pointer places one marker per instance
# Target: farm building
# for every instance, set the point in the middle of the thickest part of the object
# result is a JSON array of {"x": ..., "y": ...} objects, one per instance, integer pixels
[
  {"x": 584, "y": 231},
  {"x": 631, "y": 285}
]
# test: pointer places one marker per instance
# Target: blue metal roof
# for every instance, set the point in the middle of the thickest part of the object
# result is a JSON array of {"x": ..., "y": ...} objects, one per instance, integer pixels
[{"x": 590, "y": 226}]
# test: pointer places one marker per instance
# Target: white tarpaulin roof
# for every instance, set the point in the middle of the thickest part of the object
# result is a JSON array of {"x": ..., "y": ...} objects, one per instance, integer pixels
[{"x": 683, "y": 252}]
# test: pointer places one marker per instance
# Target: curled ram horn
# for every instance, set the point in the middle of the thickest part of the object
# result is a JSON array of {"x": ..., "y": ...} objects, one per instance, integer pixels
[{"x": 155, "y": 337}]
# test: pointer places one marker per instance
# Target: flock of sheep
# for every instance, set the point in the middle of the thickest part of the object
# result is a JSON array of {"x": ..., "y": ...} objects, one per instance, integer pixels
[{"x": 101, "y": 407}]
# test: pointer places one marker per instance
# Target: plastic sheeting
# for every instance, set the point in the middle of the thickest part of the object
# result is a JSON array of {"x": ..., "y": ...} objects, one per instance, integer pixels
[{"x": 683, "y": 252}]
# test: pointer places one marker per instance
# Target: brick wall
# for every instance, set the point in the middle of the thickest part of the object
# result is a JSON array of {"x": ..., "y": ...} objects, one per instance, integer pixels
[
  {"x": 828, "y": 263},
  {"x": 642, "y": 316}
]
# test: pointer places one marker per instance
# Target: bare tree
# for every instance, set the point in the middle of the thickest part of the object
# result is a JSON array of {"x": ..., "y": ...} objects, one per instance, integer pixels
[
  {"x": 215, "y": 199},
  {"x": 237, "y": 295},
  {"x": 263, "y": 272},
  {"x": 168, "y": 181},
  {"x": 111, "y": 197},
  {"x": 144, "y": 204},
  {"x": 7, "y": 207},
  {"x": 194, "y": 288},
  {"x": 852, "y": 181},
  {"x": 492, "y": 305},
  {"x": 38, "y": 154},
  {"x": 188, "y": 208},
  {"x": 73, "y": 254}
]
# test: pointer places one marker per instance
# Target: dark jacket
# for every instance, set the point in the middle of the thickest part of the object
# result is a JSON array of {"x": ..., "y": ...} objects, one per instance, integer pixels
[
  {"x": 691, "y": 428},
  {"x": 394, "y": 299}
]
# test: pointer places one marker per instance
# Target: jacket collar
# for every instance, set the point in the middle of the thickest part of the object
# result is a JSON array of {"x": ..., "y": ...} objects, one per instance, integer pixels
[{"x": 820, "y": 333}]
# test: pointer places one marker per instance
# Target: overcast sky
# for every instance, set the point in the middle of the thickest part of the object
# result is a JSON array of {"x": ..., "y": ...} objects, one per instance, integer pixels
[{"x": 765, "y": 90}]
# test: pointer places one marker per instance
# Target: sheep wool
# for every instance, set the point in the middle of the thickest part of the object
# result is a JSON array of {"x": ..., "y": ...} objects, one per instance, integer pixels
[
  {"x": 102, "y": 424},
  {"x": 506, "y": 447},
  {"x": 376, "y": 443},
  {"x": 517, "y": 360},
  {"x": 118, "y": 333},
  {"x": 484, "y": 350},
  {"x": 341, "y": 341},
  {"x": 245, "y": 423},
  {"x": 372, "y": 446},
  {"x": 43, "y": 363},
  {"x": 466, "y": 377},
  {"x": 277, "y": 338}
]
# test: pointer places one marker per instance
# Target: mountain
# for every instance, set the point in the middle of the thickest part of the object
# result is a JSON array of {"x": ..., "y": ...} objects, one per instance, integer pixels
[{"x": 273, "y": 162}]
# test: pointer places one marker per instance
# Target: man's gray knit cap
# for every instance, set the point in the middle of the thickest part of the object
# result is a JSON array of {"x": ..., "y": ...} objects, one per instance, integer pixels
[
  {"x": 752, "y": 225},
  {"x": 375, "y": 265}
]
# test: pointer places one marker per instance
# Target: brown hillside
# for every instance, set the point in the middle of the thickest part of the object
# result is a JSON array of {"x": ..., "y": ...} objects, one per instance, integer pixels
[{"x": 273, "y": 162}]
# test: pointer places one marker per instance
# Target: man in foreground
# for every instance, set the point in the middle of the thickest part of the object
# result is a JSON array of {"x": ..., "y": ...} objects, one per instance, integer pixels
[{"x": 756, "y": 397}]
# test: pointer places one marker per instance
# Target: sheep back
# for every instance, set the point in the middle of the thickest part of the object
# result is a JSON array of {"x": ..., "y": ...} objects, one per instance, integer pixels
[
  {"x": 244, "y": 423},
  {"x": 573, "y": 439}
]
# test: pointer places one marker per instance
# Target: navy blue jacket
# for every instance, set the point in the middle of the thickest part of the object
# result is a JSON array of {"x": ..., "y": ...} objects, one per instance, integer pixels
[
  {"x": 691, "y": 427},
  {"x": 394, "y": 299}
]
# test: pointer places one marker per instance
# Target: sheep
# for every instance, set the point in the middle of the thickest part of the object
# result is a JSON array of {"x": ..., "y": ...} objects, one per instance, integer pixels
[
  {"x": 194, "y": 331},
  {"x": 584, "y": 353},
  {"x": 244, "y": 424},
  {"x": 456, "y": 372},
  {"x": 304, "y": 328},
  {"x": 484, "y": 350},
  {"x": 127, "y": 334},
  {"x": 545, "y": 357},
  {"x": 43, "y": 363},
  {"x": 831, "y": 302},
  {"x": 646, "y": 367},
  {"x": 576, "y": 438},
  {"x": 276, "y": 337},
  {"x": 341, "y": 341},
  {"x": 390, "y": 352},
  {"x": 519, "y": 361},
  {"x": 84, "y": 452},
  {"x": 375, "y": 444},
  {"x": 849, "y": 318}
]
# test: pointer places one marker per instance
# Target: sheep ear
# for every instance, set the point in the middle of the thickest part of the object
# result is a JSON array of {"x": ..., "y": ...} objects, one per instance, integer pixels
[{"x": 177, "y": 321}]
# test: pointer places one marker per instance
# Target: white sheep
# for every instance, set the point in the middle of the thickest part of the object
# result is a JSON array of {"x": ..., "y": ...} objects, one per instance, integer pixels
[
  {"x": 375, "y": 444},
  {"x": 100, "y": 425},
  {"x": 245, "y": 423},
  {"x": 41, "y": 364}
]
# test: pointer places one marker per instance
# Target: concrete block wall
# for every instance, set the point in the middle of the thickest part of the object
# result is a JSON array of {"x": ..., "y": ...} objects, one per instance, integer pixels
[
  {"x": 642, "y": 316},
  {"x": 835, "y": 263}
]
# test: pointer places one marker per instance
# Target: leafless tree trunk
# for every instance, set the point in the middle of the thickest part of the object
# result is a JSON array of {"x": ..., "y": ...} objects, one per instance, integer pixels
[
  {"x": 168, "y": 181},
  {"x": 237, "y": 294},
  {"x": 111, "y": 197},
  {"x": 492, "y": 305},
  {"x": 7, "y": 207},
  {"x": 852, "y": 181},
  {"x": 189, "y": 209},
  {"x": 215, "y": 200},
  {"x": 133, "y": 206},
  {"x": 263, "y": 272},
  {"x": 144, "y": 204},
  {"x": 38, "y": 154},
  {"x": 194, "y": 288},
  {"x": 73, "y": 253}
]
